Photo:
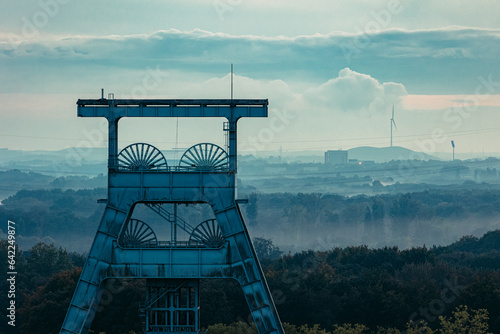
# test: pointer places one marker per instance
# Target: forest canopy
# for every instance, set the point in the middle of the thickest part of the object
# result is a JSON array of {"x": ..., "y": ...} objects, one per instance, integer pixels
[{"x": 370, "y": 288}]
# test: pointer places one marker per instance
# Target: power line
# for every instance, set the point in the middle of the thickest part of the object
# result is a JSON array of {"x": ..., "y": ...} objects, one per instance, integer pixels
[{"x": 423, "y": 136}]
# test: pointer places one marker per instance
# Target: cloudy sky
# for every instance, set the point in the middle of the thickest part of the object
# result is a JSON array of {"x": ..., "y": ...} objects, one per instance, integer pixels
[{"x": 332, "y": 70}]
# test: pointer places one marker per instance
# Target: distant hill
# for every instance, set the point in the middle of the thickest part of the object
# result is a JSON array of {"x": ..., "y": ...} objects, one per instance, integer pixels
[
  {"x": 386, "y": 154},
  {"x": 94, "y": 154}
]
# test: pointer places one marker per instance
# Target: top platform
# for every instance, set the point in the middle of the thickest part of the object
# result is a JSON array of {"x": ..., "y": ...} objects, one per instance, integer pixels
[{"x": 232, "y": 109}]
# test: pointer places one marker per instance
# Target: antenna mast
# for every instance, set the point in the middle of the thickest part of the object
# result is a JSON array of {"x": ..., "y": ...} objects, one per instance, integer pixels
[{"x": 231, "y": 81}]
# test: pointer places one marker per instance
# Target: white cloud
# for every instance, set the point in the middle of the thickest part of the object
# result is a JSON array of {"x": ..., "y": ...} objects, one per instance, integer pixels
[
  {"x": 308, "y": 75},
  {"x": 277, "y": 91},
  {"x": 175, "y": 44},
  {"x": 274, "y": 17},
  {"x": 425, "y": 61},
  {"x": 356, "y": 92}
]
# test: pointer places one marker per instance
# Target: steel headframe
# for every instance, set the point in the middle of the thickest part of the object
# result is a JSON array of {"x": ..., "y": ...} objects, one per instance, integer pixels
[{"x": 232, "y": 257}]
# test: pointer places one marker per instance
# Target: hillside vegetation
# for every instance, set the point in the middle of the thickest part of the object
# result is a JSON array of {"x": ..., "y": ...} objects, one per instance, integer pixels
[
  {"x": 69, "y": 218},
  {"x": 368, "y": 288}
]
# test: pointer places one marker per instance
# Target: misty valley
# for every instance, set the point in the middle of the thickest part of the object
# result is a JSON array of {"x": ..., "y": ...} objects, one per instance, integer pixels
[{"x": 361, "y": 248}]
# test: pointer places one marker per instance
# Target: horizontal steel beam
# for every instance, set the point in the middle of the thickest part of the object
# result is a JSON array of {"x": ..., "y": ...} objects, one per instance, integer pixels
[
  {"x": 230, "y": 109},
  {"x": 170, "y": 263},
  {"x": 173, "y": 102}
]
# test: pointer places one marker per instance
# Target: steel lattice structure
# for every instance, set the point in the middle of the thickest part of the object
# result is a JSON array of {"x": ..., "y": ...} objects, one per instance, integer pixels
[{"x": 125, "y": 247}]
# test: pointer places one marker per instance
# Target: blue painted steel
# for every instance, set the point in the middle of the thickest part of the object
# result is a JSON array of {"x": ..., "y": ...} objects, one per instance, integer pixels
[
  {"x": 171, "y": 306},
  {"x": 233, "y": 257}
]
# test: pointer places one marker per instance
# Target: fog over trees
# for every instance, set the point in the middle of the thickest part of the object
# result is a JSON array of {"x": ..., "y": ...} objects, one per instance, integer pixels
[{"x": 378, "y": 256}]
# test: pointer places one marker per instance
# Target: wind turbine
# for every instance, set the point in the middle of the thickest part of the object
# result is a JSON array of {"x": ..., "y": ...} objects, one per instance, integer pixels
[{"x": 393, "y": 122}]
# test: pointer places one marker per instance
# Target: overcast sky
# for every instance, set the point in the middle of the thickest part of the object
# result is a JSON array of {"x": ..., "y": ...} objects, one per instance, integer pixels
[{"x": 332, "y": 70}]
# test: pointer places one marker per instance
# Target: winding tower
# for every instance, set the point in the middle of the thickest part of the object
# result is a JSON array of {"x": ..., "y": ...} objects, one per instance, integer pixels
[{"x": 125, "y": 247}]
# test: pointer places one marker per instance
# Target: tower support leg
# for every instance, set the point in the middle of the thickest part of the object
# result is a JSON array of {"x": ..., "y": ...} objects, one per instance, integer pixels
[
  {"x": 85, "y": 301},
  {"x": 248, "y": 271}
]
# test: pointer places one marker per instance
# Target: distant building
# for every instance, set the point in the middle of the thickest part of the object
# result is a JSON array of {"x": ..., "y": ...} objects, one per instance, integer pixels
[{"x": 336, "y": 157}]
